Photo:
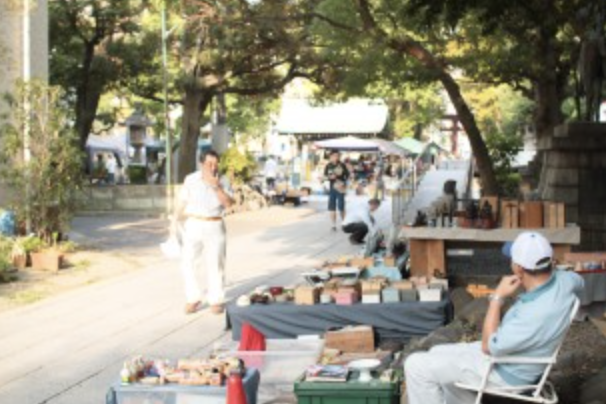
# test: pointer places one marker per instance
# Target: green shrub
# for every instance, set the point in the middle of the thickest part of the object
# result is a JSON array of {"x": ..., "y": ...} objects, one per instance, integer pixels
[{"x": 239, "y": 167}]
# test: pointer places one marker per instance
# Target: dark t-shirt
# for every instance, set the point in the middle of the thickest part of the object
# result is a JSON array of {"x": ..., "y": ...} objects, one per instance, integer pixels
[{"x": 339, "y": 170}]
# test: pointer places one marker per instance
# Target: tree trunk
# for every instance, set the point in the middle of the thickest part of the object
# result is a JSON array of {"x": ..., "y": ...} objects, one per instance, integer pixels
[
  {"x": 195, "y": 103},
  {"x": 220, "y": 133},
  {"x": 478, "y": 146},
  {"x": 87, "y": 103},
  {"x": 548, "y": 112}
]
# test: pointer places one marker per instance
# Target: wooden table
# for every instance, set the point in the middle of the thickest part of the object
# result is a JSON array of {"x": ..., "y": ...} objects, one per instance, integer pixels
[{"x": 428, "y": 244}]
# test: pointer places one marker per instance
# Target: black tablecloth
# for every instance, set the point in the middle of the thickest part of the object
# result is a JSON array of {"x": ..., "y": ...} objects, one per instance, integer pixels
[
  {"x": 595, "y": 287},
  {"x": 399, "y": 321}
]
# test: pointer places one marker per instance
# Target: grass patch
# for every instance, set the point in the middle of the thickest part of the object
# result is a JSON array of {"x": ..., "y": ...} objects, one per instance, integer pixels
[
  {"x": 82, "y": 265},
  {"x": 28, "y": 296}
]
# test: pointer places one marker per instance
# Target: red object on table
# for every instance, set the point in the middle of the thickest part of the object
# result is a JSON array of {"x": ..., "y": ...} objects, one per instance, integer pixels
[{"x": 235, "y": 389}]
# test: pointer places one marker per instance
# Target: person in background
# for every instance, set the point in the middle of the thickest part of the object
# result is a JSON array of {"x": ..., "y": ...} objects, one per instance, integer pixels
[
  {"x": 337, "y": 174},
  {"x": 532, "y": 327},
  {"x": 359, "y": 220},
  {"x": 111, "y": 167},
  {"x": 202, "y": 202},
  {"x": 270, "y": 171}
]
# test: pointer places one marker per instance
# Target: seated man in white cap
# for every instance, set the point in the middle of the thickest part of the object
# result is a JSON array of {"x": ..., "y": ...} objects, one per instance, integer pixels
[{"x": 533, "y": 327}]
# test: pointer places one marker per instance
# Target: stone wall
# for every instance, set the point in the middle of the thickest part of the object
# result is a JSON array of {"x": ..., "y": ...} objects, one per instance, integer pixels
[
  {"x": 126, "y": 198},
  {"x": 574, "y": 172}
]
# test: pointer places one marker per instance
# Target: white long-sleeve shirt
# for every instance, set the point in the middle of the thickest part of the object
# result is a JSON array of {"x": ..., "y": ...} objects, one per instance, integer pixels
[{"x": 358, "y": 210}]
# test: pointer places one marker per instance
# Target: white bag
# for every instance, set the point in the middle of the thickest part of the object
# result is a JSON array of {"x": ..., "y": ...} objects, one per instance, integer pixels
[{"x": 171, "y": 248}]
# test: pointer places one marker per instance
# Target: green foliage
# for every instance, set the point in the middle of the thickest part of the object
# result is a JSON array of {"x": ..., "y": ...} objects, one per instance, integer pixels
[
  {"x": 503, "y": 148},
  {"x": 137, "y": 174},
  {"x": 250, "y": 116},
  {"x": 239, "y": 167},
  {"x": 52, "y": 176}
]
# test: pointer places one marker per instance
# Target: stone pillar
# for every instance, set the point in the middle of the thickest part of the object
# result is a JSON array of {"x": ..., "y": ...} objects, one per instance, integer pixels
[{"x": 574, "y": 172}]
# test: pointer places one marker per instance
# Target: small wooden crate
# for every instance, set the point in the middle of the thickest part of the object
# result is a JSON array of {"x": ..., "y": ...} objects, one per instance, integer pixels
[
  {"x": 531, "y": 215},
  {"x": 554, "y": 215},
  {"x": 307, "y": 295},
  {"x": 510, "y": 214}
]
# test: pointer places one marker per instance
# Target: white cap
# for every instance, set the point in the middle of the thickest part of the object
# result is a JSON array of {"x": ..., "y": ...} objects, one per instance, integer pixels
[{"x": 530, "y": 250}]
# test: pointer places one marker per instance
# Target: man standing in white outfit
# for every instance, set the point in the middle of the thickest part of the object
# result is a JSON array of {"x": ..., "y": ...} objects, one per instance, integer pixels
[
  {"x": 532, "y": 327},
  {"x": 202, "y": 201}
]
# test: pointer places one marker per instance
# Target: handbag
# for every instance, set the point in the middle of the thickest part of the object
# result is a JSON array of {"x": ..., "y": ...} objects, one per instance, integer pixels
[{"x": 172, "y": 247}]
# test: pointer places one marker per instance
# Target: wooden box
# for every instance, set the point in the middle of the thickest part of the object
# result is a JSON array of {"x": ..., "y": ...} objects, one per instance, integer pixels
[
  {"x": 430, "y": 295},
  {"x": 373, "y": 285},
  {"x": 362, "y": 262},
  {"x": 402, "y": 285},
  {"x": 437, "y": 283},
  {"x": 391, "y": 295},
  {"x": 351, "y": 339},
  {"x": 371, "y": 297},
  {"x": 510, "y": 214},
  {"x": 410, "y": 295},
  {"x": 531, "y": 215},
  {"x": 346, "y": 297},
  {"x": 554, "y": 214},
  {"x": 493, "y": 201},
  {"x": 307, "y": 295},
  {"x": 389, "y": 261}
]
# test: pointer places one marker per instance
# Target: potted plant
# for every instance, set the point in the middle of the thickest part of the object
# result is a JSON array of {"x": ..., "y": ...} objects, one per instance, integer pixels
[{"x": 48, "y": 257}]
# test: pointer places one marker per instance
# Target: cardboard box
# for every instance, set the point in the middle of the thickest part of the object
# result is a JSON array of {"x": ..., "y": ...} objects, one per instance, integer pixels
[
  {"x": 373, "y": 285},
  {"x": 307, "y": 295},
  {"x": 372, "y": 298},
  {"x": 351, "y": 339},
  {"x": 437, "y": 283},
  {"x": 389, "y": 261},
  {"x": 362, "y": 262},
  {"x": 391, "y": 295},
  {"x": 402, "y": 285},
  {"x": 554, "y": 215},
  {"x": 531, "y": 215},
  {"x": 430, "y": 295},
  {"x": 409, "y": 295},
  {"x": 346, "y": 297},
  {"x": 510, "y": 214}
]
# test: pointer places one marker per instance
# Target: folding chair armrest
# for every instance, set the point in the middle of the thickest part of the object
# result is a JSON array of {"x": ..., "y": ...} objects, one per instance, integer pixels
[{"x": 522, "y": 360}]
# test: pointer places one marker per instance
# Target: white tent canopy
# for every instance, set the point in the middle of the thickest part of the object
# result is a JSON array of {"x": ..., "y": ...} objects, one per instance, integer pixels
[
  {"x": 108, "y": 144},
  {"x": 348, "y": 143}
]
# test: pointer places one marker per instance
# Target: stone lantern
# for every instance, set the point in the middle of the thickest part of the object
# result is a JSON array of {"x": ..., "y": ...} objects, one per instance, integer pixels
[{"x": 136, "y": 127}]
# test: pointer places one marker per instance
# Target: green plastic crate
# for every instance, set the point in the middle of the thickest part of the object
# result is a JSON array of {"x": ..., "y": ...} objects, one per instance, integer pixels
[{"x": 352, "y": 392}]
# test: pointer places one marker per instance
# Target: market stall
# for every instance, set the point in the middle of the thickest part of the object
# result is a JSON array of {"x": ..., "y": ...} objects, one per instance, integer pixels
[{"x": 400, "y": 321}]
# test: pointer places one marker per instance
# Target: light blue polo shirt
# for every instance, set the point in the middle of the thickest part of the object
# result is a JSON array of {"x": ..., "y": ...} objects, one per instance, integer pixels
[{"x": 534, "y": 326}]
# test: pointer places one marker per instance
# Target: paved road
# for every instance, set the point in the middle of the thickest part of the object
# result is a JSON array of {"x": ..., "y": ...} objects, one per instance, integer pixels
[{"x": 70, "y": 348}]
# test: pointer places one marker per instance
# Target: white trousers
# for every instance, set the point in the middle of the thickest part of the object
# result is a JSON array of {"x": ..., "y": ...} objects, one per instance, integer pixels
[
  {"x": 430, "y": 376},
  {"x": 204, "y": 245}
]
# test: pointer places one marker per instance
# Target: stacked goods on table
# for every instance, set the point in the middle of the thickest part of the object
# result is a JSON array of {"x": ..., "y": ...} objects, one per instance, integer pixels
[
  {"x": 584, "y": 262},
  {"x": 188, "y": 372},
  {"x": 347, "y": 291},
  {"x": 490, "y": 212},
  {"x": 351, "y": 370},
  {"x": 479, "y": 290},
  {"x": 338, "y": 281}
]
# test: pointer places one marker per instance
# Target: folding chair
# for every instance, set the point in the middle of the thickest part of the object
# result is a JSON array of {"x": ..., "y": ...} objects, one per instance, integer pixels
[{"x": 543, "y": 392}]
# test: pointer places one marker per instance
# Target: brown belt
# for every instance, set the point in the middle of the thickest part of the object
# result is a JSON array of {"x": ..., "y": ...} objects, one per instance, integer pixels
[{"x": 206, "y": 219}]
